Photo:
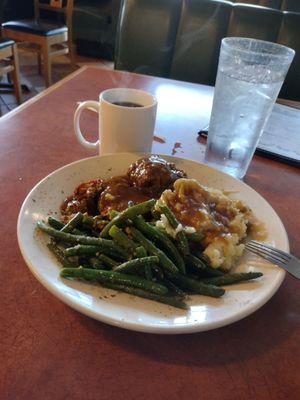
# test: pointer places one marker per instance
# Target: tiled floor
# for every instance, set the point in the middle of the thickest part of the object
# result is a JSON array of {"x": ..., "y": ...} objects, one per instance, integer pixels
[{"x": 30, "y": 77}]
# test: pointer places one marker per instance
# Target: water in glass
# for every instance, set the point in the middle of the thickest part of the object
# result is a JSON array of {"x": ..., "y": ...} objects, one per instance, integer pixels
[
  {"x": 245, "y": 106},
  {"x": 250, "y": 75}
]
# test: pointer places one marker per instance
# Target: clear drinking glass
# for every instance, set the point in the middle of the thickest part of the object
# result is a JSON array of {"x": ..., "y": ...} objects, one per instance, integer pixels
[{"x": 250, "y": 75}]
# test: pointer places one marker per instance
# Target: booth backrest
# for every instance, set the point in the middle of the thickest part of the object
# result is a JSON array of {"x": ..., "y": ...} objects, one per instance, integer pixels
[
  {"x": 265, "y": 3},
  {"x": 257, "y": 22},
  {"x": 146, "y": 36},
  {"x": 289, "y": 35},
  {"x": 290, "y": 5},
  {"x": 202, "y": 26},
  {"x": 181, "y": 39}
]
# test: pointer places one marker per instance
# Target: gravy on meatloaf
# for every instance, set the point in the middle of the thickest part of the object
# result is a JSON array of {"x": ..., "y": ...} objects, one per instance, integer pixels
[{"x": 146, "y": 178}]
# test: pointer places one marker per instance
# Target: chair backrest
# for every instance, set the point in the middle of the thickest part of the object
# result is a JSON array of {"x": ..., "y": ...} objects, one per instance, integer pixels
[
  {"x": 61, "y": 7},
  {"x": 52, "y": 5},
  {"x": 202, "y": 26},
  {"x": 255, "y": 22},
  {"x": 289, "y": 35},
  {"x": 146, "y": 36}
]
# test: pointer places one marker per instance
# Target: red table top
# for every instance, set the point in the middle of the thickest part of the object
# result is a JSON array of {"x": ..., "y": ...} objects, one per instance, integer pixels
[{"x": 50, "y": 351}]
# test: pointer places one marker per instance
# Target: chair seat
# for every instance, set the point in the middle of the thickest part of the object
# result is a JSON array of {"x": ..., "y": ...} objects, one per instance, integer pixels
[
  {"x": 4, "y": 42},
  {"x": 36, "y": 27}
]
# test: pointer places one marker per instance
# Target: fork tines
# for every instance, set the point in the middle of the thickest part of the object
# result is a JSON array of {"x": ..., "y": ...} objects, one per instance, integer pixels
[
  {"x": 284, "y": 260},
  {"x": 269, "y": 253}
]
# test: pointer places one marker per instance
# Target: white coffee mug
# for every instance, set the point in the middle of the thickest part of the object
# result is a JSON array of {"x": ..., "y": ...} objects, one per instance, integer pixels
[{"x": 126, "y": 121}]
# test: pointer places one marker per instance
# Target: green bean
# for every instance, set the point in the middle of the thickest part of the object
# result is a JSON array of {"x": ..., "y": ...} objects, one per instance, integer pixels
[
  {"x": 203, "y": 269},
  {"x": 94, "y": 262},
  {"x": 88, "y": 220},
  {"x": 140, "y": 251},
  {"x": 84, "y": 249},
  {"x": 155, "y": 215},
  {"x": 112, "y": 214},
  {"x": 135, "y": 264},
  {"x": 169, "y": 215},
  {"x": 54, "y": 223},
  {"x": 196, "y": 237},
  {"x": 129, "y": 213},
  {"x": 99, "y": 223},
  {"x": 195, "y": 286},
  {"x": 165, "y": 262},
  {"x": 103, "y": 276},
  {"x": 169, "y": 300},
  {"x": 231, "y": 278},
  {"x": 148, "y": 272},
  {"x": 122, "y": 239},
  {"x": 106, "y": 245},
  {"x": 109, "y": 262},
  {"x": 60, "y": 255},
  {"x": 72, "y": 223},
  {"x": 58, "y": 225},
  {"x": 180, "y": 236},
  {"x": 161, "y": 240},
  {"x": 170, "y": 285},
  {"x": 199, "y": 254},
  {"x": 158, "y": 272}
]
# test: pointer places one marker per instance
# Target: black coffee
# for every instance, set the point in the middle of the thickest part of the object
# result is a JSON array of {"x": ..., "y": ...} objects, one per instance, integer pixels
[{"x": 126, "y": 104}]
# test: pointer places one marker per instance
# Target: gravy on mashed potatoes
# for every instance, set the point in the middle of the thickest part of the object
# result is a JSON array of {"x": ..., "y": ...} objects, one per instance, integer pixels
[{"x": 223, "y": 222}]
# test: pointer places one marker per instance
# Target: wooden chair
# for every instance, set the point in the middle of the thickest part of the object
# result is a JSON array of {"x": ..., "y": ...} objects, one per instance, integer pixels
[
  {"x": 9, "y": 58},
  {"x": 47, "y": 37}
]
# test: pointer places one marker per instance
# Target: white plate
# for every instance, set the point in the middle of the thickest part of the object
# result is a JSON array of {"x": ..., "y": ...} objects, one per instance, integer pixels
[{"x": 131, "y": 312}]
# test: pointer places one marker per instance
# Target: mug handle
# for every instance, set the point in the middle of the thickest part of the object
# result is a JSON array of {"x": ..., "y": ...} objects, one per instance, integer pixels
[{"x": 86, "y": 104}]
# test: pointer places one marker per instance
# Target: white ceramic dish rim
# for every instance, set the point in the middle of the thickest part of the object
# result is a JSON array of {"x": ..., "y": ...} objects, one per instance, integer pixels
[{"x": 160, "y": 329}]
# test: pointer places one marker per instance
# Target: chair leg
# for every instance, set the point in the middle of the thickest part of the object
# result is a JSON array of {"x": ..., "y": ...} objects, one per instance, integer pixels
[
  {"x": 39, "y": 62},
  {"x": 16, "y": 74},
  {"x": 47, "y": 63},
  {"x": 72, "y": 52}
]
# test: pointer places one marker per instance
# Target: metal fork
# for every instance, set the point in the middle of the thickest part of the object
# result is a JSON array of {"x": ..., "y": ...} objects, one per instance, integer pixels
[{"x": 284, "y": 260}]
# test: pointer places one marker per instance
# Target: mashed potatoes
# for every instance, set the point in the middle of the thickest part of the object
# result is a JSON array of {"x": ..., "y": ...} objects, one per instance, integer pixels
[{"x": 223, "y": 222}]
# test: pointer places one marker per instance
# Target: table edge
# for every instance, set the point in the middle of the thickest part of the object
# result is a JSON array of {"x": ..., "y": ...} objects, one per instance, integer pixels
[{"x": 286, "y": 102}]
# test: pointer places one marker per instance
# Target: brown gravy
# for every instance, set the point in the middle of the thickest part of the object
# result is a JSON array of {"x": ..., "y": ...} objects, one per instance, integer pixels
[
  {"x": 118, "y": 193},
  {"x": 145, "y": 179}
]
